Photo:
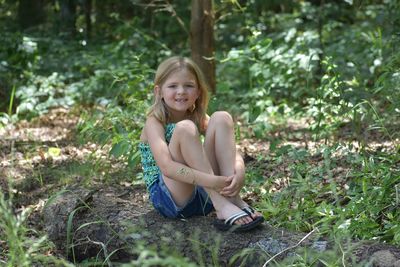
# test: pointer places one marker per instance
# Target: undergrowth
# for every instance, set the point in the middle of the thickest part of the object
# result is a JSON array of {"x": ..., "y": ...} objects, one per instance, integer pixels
[
  {"x": 23, "y": 246},
  {"x": 338, "y": 190}
]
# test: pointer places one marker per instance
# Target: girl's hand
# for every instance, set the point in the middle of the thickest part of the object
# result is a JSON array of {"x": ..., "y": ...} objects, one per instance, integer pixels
[
  {"x": 222, "y": 182},
  {"x": 235, "y": 186}
]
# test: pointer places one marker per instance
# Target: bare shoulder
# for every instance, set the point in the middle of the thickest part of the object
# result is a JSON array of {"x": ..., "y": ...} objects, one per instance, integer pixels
[{"x": 152, "y": 127}]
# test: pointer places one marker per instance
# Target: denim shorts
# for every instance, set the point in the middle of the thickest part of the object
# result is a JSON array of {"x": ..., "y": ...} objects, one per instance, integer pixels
[{"x": 198, "y": 205}]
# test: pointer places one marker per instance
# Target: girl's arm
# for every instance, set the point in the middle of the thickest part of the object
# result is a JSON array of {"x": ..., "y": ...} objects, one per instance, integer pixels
[
  {"x": 239, "y": 166},
  {"x": 155, "y": 132}
]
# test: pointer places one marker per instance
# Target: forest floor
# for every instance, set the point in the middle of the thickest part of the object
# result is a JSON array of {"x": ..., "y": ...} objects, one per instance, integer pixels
[{"x": 42, "y": 156}]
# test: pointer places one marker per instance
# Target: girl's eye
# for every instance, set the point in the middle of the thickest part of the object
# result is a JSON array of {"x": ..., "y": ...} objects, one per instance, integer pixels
[{"x": 172, "y": 86}]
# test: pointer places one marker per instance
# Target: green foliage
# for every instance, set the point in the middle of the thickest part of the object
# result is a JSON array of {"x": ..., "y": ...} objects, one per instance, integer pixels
[
  {"x": 18, "y": 54},
  {"x": 361, "y": 202},
  {"x": 336, "y": 256},
  {"x": 9, "y": 223},
  {"x": 120, "y": 85},
  {"x": 59, "y": 72},
  {"x": 100, "y": 73},
  {"x": 42, "y": 93},
  {"x": 117, "y": 126},
  {"x": 335, "y": 74}
]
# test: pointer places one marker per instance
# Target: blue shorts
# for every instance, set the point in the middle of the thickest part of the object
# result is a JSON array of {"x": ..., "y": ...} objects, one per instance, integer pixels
[{"x": 198, "y": 205}]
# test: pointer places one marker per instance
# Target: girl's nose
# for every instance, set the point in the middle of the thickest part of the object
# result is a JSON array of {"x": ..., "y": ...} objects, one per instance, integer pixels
[{"x": 181, "y": 90}]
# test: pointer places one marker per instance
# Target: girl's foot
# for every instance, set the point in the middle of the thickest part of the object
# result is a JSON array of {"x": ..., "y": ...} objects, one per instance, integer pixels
[
  {"x": 252, "y": 212},
  {"x": 238, "y": 221},
  {"x": 229, "y": 210},
  {"x": 245, "y": 207}
]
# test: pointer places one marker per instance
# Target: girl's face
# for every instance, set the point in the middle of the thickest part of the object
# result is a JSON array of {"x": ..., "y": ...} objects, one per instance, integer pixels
[{"x": 180, "y": 91}]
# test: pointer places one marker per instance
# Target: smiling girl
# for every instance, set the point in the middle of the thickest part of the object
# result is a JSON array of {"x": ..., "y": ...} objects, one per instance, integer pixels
[{"x": 184, "y": 176}]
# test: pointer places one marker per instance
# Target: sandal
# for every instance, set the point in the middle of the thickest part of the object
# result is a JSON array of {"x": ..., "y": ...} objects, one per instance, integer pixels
[
  {"x": 229, "y": 223},
  {"x": 250, "y": 211}
]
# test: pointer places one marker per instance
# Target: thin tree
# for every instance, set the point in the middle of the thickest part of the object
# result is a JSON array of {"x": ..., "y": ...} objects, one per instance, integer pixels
[
  {"x": 68, "y": 17},
  {"x": 202, "y": 38},
  {"x": 87, "y": 7},
  {"x": 31, "y": 13}
]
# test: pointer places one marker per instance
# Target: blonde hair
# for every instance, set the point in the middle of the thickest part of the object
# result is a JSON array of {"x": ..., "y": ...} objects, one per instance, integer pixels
[{"x": 167, "y": 68}]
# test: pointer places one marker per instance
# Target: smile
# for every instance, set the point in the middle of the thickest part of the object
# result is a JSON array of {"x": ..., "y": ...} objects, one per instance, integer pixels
[{"x": 181, "y": 100}]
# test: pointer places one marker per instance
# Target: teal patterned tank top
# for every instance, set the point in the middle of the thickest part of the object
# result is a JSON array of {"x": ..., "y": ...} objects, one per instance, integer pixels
[{"x": 149, "y": 165}]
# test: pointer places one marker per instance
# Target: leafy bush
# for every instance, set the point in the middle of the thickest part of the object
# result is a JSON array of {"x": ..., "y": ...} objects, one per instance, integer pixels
[
  {"x": 18, "y": 55},
  {"x": 339, "y": 73},
  {"x": 42, "y": 93},
  {"x": 117, "y": 126},
  {"x": 58, "y": 72}
]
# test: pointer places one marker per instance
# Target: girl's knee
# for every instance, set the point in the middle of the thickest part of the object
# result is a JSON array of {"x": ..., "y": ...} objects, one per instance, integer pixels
[
  {"x": 186, "y": 127},
  {"x": 222, "y": 117}
]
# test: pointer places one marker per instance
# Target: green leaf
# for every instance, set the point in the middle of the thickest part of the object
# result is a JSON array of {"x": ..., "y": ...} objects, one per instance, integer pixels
[
  {"x": 273, "y": 144},
  {"x": 54, "y": 151},
  {"x": 254, "y": 113},
  {"x": 120, "y": 148},
  {"x": 134, "y": 159}
]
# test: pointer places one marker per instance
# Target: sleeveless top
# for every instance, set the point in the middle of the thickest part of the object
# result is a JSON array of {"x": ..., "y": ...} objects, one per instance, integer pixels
[{"x": 149, "y": 166}]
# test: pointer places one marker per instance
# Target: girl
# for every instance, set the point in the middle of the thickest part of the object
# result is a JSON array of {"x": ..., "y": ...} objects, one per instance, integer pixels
[{"x": 185, "y": 177}]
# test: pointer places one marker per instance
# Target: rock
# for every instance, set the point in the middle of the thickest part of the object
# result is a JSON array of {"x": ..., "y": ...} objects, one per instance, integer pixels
[
  {"x": 383, "y": 258},
  {"x": 58, "y": 210},
  {"x": 118, "y": 224}
]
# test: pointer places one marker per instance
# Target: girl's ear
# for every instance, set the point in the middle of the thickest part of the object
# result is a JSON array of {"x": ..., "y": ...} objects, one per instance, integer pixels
[
  {"x": 198, "y": 92},
  {"x": 157, "y": 91}
]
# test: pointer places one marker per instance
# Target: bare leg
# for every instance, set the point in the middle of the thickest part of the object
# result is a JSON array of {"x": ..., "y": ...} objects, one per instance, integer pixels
[
  {"x": 185, "y": 147},
  {"x": 220, "y": 148}
]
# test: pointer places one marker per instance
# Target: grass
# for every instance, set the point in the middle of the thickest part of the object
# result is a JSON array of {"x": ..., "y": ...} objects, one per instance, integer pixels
[
  {"x": 345, "y": 191},
  {"x": 10, "y": 106},
  {"x": 335, "y": 189},
  {"x": 168, "y": 251},
  {"x": 23, "y": 246}
]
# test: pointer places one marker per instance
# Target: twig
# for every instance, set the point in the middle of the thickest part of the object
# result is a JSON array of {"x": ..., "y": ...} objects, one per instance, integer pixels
[
  {"x": 289, "y": 248},
  {"x": 171, "y": 9},
  {"x": 166, "y": 6},
  {"x": 343, "y": 256},
  {"x": 104, "y": 249}
]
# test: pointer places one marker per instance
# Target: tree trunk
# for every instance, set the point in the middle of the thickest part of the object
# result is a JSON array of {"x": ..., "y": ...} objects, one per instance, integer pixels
[
  {"x": 88, "y": 20},
  {"x": 202, "y": 39},
  {"x": 31, "y": 13},
  {"x": 320, "y": 26},
  {"x": 68, "y": 16}
]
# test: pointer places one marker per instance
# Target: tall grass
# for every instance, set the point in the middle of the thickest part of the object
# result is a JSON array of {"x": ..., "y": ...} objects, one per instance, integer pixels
[
  {"x": 10, "y": 106},
  {"x": 13, "y": 231},
  {"x": 23, "y": 246}
]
